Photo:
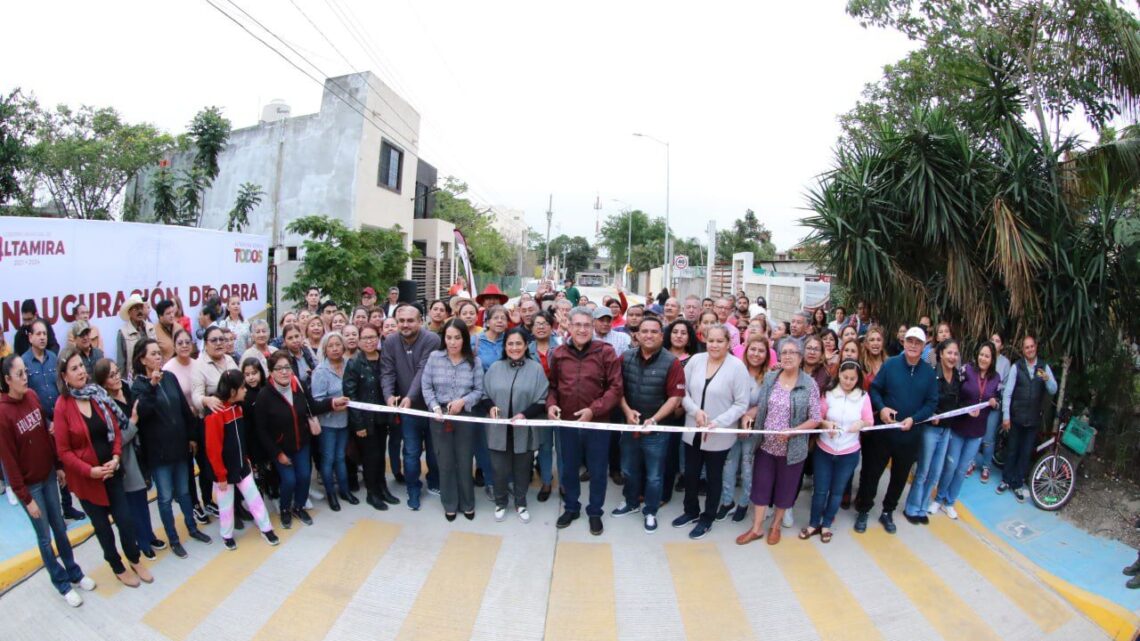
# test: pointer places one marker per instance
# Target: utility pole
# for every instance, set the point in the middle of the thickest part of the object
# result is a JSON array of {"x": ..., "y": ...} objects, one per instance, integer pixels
[
  {"x": 549, "y": 217},
  {"x": 711, "y": 258}
]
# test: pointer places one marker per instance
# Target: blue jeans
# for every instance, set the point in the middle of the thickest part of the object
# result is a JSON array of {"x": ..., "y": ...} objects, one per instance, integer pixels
[
  {"x": 417, "y": 437},
  {"x": 168, "y": 479},
  {"x": 575, "y": 442},
  {"x": 739, "y": 457},
  {"x": 333, "y": 442},
  {"x": 140, "y": 516},
  {"x": 985, "y": 456},
  {"x": 51, "y": 524},
  {"x": 646, "y": 452},
  {"x": 958, "y": 456},
  {"x": 832, "y": 474},
  {"x": 935, "y": 439},
  {"x": 295, "y": 479}
]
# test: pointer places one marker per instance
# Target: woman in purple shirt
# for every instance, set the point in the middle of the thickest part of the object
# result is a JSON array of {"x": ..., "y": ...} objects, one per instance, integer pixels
[{"x": 979, "y": 385}]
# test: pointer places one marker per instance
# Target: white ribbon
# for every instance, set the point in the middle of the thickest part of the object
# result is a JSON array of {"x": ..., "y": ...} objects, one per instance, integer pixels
[{"x": 619, "y": 427}]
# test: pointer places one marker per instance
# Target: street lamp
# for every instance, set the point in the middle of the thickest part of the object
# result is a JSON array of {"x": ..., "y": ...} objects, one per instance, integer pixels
[{"x": 667, "y": 270}]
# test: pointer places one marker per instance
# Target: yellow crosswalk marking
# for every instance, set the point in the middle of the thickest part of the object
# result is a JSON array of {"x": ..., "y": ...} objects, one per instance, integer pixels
[
  {"x": 946, "y": 612},
  {"x": 1037, "y": 603},
  {"x": 455, "y": 585},
  {"x": 582, "y": 601},
  {"x": 832, "y": 608},
  {"x": 314, "y": 606},
  {"x": 706, "y": 596},
  {"x": 182, "y": 610}
]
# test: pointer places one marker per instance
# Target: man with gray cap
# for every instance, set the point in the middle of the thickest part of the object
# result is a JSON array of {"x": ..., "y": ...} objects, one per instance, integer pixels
[
  {"x": 603, "y": 331},
  {"x": 80, "y": 334},
  {"x": 906, "y": 391}
]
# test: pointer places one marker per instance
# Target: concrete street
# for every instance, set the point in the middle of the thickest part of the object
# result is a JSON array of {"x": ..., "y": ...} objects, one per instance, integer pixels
[{"x": 363, "y": 574}]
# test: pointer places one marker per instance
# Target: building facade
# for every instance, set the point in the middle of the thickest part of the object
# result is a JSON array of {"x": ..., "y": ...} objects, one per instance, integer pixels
[{"x": 356, "y": 160}]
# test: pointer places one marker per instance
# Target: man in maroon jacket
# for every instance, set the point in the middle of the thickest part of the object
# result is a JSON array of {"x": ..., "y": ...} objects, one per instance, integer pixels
[{"x": 585, "y": 385}]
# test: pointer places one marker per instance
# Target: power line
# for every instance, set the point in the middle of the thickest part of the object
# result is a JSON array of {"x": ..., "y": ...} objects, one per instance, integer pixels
[
  {"x": 351, "y": 66},
  {"x": 345, "y": 16},
  {"x": 347, "y": 93}
]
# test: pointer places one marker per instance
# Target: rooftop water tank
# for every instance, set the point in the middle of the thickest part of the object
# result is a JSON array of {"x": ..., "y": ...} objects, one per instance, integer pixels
[{"x": 275, "y": 110}]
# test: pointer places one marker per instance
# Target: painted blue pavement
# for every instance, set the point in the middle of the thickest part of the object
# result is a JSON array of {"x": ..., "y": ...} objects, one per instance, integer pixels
[
  {"x": 16, "y": 533},
  {"x": 1089, "y": 562}
]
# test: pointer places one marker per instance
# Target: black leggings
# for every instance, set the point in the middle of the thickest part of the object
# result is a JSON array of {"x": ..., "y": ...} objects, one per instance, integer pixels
[
  {"x": 101, "y": 515},
  {"x": 713, "y": 463}
]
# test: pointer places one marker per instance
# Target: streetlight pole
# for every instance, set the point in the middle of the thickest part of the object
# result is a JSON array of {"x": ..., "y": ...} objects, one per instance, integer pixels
[
  {"x": 549, "y": 217},
  {"x": 667, "y": 268}
]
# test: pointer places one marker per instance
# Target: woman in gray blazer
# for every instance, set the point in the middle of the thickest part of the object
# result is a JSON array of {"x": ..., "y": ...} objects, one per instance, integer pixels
[
  {"x": 516, "y": 387},
  {"x": 717, "y": 389}
]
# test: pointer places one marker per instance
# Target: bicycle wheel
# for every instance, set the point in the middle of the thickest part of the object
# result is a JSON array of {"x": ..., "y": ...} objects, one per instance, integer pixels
[{"x": 1052, "y": 482}]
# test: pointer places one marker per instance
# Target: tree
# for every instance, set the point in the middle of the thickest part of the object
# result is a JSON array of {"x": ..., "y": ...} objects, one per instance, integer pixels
[
  {"x": 961, "y": 210},
  {"x": 249, "y": 197},
  {"x": 341, "y": 261},
  {"x": 615, "y": 238},
  {"x": 578, "y": 252},
  {"x": 490, "y": 254},
  {"x": 84, "y": 157},
  {"x": 17, "y": 125},
  {"x": 165, "y": 195},
  {"x": 748, "y": 234},
  {"x": 210, "y": 132}
]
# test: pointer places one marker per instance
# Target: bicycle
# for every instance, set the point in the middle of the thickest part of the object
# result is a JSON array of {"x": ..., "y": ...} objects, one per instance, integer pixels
[{"x": 1053, "y": 478}]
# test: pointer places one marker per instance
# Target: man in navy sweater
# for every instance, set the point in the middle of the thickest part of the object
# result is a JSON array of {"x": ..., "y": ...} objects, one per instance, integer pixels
[{"x": 905, "y": 390}]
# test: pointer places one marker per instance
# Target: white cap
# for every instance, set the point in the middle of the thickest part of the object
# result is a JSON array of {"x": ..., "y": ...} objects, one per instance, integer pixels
[{"x": 915, "y": 332}]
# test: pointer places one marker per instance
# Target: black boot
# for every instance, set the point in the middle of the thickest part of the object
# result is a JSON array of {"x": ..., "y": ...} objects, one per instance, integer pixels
[
  {"x": 334, "y": 504},
  {"x": 1133, "y": 569},
  {"x": 349, "y": 498},
  {"x": 376, "y": 502},
  {"x": 387, "y": 496}
]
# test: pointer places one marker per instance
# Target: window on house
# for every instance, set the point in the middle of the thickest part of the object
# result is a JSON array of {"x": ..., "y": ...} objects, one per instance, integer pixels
[{"x": 391, "y": 166}]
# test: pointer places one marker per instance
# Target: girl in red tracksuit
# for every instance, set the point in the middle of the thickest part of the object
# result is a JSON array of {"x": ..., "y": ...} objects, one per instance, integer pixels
[{"x": 229, "y": 458}]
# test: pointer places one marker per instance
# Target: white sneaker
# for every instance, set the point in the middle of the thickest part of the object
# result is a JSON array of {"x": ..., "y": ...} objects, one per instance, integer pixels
[
  {"x": 524, "y": 515},
  {"x": 315, "y": 495},
  {"x": 73, "y": 598},
  {"x": 789, "y": 520},
  {"x": 86, "y": 583},
  {"x": 950, "y": 511},
  {"x": 500, "y": 513},
  {"x": 12, "y": 500},
  {"x": 934, "y": 507},
  {"x": 309, "y": 502}
]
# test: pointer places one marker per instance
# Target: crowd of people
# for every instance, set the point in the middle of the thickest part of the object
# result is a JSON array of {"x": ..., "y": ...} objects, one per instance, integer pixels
[{"x": 256, "y": 411}]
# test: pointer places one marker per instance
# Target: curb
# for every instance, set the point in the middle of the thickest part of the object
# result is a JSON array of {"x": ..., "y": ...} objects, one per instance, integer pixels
[
  {"x": 1120, "y": 623},
  {"x": 14, "y": 570}
]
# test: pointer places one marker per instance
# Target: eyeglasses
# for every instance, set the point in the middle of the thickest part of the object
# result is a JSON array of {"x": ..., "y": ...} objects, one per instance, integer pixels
[
  {"x": 216, "y": 340},
  {"x": 813, "y": 348},
  {"x": 23, "y": 373}
]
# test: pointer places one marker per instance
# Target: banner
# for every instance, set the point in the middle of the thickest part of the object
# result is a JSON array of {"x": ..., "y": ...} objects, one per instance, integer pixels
[
  {"x": 463, "y": 255},
  {"x": 61, "y": 264}
]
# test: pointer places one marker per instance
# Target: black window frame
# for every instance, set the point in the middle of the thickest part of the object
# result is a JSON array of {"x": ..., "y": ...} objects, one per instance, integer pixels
[{"x": 386, "y": 147}]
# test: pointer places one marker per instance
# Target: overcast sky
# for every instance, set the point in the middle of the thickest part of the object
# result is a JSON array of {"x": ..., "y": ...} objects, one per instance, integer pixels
[{"x": 521, "y": 99}]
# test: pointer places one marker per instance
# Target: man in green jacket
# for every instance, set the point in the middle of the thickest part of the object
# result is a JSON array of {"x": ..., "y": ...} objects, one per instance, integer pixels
[{"x": 572, "y": 293}]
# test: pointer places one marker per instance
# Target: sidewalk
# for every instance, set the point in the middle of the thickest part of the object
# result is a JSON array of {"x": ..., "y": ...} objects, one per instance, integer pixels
[
  {"x": 1083, "y": 568},
  {"x": 19, "y": 555}
]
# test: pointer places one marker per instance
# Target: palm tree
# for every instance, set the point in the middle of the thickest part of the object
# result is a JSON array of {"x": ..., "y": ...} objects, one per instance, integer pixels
[{"x": 980, "y": 219}]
